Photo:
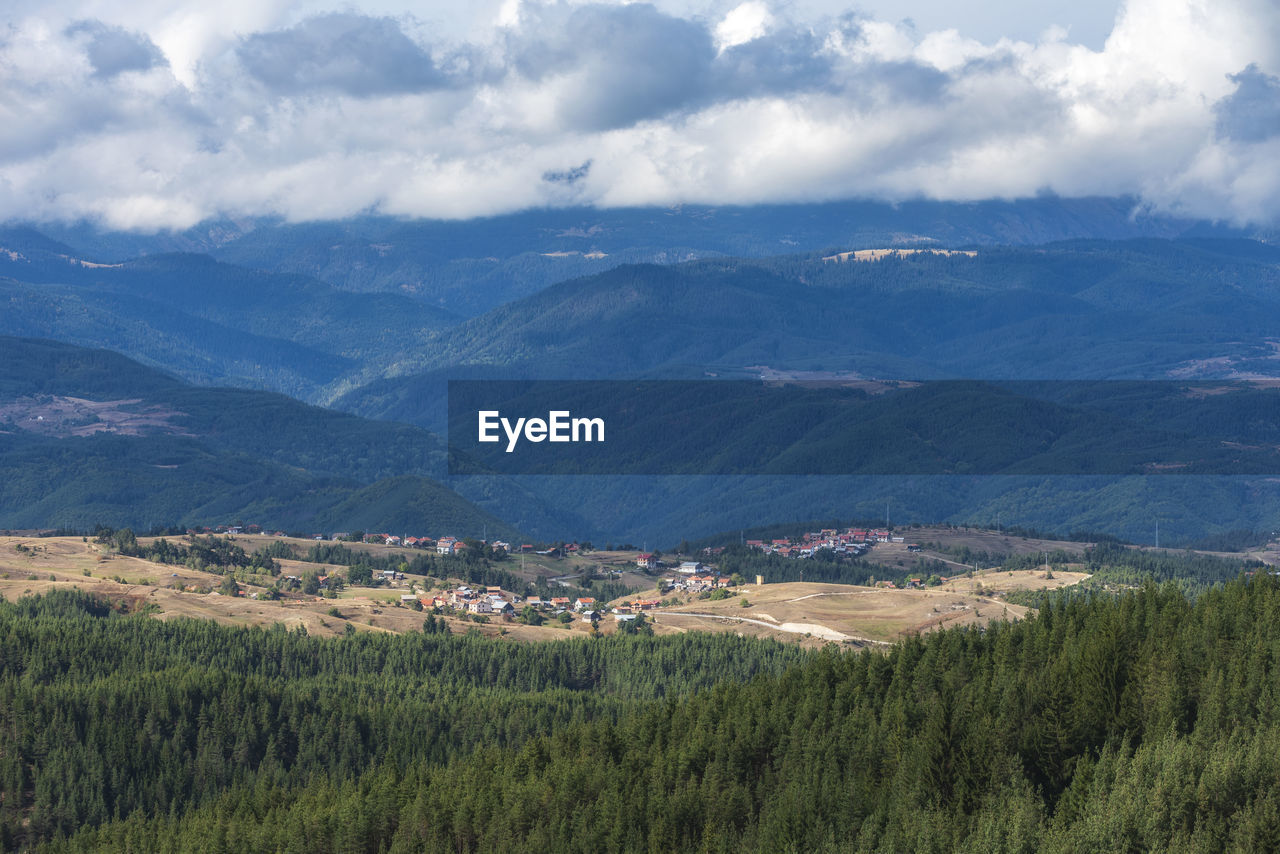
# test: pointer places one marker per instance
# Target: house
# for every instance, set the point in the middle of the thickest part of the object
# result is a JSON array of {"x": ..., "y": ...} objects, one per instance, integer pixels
[
  {"x": 647, "y": 561},
  {"x": 407, "y": 598},
  {"x": 534, "y": 602},
  {"x": 584, "y": 603},
  {"x": 445, "y": 545},
  {"x": 560, "y": 602},
  {"x": 479, "y": 606},
  {"x": 690, "y": 567}
]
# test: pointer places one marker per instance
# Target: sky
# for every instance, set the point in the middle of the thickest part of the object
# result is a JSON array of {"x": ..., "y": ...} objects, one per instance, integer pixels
[{"x": 159, "y": 114}]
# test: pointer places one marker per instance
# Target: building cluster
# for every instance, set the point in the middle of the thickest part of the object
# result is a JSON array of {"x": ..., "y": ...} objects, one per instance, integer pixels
[
  {"x": 442, "y": 546},
  {"x": 498, "y": 602},
  {"x": 699, "y": 583},
  {"x": 851, "y": 541}
]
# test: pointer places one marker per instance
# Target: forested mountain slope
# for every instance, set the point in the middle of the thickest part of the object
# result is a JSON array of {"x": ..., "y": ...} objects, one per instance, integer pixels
[
  {"x": 207, "y": 321},
  {"x": 1086, "y": 310},
  {"x": 1145, "y": 721},
  {"x": 89, "y": 436},
  {"x": 1091, "y": 309}
]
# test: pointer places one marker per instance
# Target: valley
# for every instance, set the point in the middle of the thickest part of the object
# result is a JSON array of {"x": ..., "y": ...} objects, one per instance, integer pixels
[{"x": 639, "y": 428}]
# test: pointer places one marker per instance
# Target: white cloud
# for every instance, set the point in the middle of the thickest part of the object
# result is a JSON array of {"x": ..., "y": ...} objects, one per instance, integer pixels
[
  {"x": 744, "y": 23},
  {"x": 154, "y": 115}
]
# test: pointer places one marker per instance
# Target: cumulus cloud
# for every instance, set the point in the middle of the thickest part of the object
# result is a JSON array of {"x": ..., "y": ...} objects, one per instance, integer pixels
[
  {"x": 114, "y": 50},
  {"x": 160, "y": 116},
  {"x": 1252, "y": 112},
  {"x": 347, "y": 53}
]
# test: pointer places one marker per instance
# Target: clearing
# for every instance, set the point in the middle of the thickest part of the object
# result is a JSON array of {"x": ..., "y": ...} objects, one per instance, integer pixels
[{"x": 862, "y": 615}]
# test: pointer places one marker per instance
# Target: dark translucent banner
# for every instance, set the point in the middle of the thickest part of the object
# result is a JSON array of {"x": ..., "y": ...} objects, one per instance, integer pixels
[{"x": 662, "y": 427}]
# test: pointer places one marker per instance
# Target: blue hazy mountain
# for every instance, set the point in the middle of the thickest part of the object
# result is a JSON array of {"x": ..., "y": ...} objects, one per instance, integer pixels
[
  {"x": 89, "y": 436},
  {"x": 207, "y": 321},
  {"x": 471, "y": 266}
]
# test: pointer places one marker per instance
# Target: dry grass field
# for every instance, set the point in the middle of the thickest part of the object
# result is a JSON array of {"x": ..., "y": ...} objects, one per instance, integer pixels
[
  {"x": 805, "y": 612},
  {"x": 35, "y": 565},
  {"x": 838, "y": 612}
]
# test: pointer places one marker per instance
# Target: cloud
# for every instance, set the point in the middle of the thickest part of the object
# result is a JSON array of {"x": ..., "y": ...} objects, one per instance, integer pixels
[
  {"x": 114, "y": 50},
  {"x": 347, "y": 53},
  {"x": 159, "y": 115},
  {"x": 568, "y": 176},
  {"x": 1252, "y": 112},
  {"x": 609, "y": 67}
]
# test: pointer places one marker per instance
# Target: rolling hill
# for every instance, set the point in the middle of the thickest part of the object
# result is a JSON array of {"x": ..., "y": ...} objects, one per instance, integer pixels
[
  {"x": 1084, "y": 310},
  {"x": 209, "y": 322},
  {"x": 89, "y": 436},
  {"x": 1185, "y": 309}
]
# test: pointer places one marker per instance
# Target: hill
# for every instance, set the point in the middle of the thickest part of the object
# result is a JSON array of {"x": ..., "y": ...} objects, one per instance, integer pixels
[
  {"x": 1085, "y": 310},
  {"x": 89, "y": 436},
  {"x": 207, "y": 321},
  {"x": 1183, "y": 309}
]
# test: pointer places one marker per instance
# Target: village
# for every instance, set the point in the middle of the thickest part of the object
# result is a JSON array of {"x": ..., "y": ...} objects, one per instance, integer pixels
[
  {"x": 388, "y": 583},
  {"x": 667, "y": 576},
  {"x": 852, "y": 541}
]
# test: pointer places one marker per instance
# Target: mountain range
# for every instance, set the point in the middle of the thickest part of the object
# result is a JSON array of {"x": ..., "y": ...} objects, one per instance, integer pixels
[{"x": 373, "y": 316}]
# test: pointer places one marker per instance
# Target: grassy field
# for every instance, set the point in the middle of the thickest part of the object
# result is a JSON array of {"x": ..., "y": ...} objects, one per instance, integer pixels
[
  {"x": 805, "y": 612},
  {"x": 34, "y": 565},
  {"x": 839, "y": 612},
  {"x": 975, "y": 539}
]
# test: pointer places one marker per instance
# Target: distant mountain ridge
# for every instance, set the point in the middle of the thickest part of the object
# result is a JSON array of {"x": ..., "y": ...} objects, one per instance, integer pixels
[
  {"x": 1187, "y": 309},
  {"x": 471, "y": 266},
  {"x": 209, "y": 321},
  {"x": 1082, "y": 309}
]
